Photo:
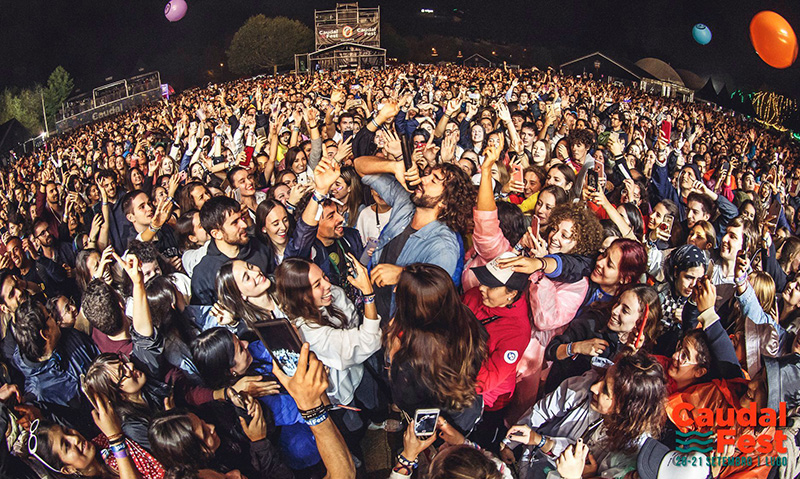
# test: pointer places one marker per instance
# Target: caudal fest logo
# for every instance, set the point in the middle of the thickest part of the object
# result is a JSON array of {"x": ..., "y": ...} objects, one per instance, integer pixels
[{"x": 724, "y": 422}]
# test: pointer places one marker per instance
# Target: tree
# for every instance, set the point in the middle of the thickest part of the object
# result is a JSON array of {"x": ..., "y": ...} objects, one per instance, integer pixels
[
  {"x": 263, "y": 43},
  {"x": 59, "y": 86},
  {"x": 24, "y": 105}
]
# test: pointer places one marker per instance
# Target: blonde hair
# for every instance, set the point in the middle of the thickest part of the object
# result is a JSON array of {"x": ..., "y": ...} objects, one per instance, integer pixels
[{"x": 764, "y": 288}]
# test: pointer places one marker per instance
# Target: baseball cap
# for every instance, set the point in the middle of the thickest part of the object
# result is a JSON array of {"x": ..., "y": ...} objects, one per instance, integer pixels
[
  {"x": 493, "y": 276},
  {"x": 657, "y": 461}
]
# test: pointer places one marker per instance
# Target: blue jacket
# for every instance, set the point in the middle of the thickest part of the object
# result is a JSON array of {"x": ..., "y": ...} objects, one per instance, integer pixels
[{"x": 296, "y": 441}]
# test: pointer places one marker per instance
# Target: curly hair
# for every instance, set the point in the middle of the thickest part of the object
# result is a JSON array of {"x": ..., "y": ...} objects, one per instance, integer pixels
[
  {"x": 586, "y": 226},
  {"x": 459, "y": 198},
  {"x": 639, "y": 389}
]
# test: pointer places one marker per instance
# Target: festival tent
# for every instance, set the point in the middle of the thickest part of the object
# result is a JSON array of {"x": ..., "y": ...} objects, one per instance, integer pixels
[
  {"x": 660, "y": 70},
  {"x": 603, "y": 65}
]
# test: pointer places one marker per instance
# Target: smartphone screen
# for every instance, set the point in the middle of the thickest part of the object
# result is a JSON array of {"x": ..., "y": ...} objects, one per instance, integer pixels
[
  {"x": 346, "y": 135},
  {"x": 282, "y": 342},
  {"x": 425, "y": 422},
  {"x": 592, "y": 180},
  {"x": 666, "y": 225}
]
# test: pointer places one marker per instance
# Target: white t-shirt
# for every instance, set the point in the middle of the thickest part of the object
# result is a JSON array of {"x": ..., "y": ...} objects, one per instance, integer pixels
[{"x": 370, "y": 225}]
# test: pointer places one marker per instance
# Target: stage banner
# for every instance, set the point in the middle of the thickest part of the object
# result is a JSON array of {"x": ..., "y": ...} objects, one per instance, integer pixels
[{"x": 365, "y": 33}]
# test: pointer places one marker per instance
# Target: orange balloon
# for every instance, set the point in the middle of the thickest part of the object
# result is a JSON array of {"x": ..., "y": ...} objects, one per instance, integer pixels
[{"x": 773, "y": 39}]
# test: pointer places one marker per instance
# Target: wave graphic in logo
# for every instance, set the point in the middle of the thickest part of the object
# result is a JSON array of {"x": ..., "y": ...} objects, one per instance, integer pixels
[{"x": 694, "y": 441}]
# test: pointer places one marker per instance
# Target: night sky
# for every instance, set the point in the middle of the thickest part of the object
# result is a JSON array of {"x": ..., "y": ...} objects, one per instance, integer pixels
[{"x": 115, "y": 38}]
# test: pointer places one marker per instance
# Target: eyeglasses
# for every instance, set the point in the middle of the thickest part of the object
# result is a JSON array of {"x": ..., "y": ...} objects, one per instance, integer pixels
[
  {"x": 33, "y": 444},
  {"x": 684, "y": 359}
]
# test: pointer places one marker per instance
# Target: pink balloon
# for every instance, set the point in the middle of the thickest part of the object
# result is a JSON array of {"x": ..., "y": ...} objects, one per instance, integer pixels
[{"x": 175, "y": 10}]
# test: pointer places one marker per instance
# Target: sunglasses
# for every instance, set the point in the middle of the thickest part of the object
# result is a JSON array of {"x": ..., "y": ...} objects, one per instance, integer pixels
[{"x": 33, "y": 444}]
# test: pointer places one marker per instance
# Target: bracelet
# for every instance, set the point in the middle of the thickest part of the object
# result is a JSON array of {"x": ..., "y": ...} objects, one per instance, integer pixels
[
  {"x": 375, "y": 123},
  {"x": 121, "y": 454},
  {"x": 290, "y": 207},
  {"x": 170, "y": 199},
  {"x": 369, "y": 298},
  {"x": 319, "y": 198},
  {"x": 317, "y": 420},
  {"x": 311, "y": 127},
  {"x": 115, "y": 438},
  {"x": 741, "y": 279},
  {"x": 569, "y": 350},
  {"x": 403, "y": 470},
  {"x": 154, "y": 230},
  {"x": 313, "y": 411},
  {"x": 105, "y": 203},
  {"x": 406, "y": 462}
]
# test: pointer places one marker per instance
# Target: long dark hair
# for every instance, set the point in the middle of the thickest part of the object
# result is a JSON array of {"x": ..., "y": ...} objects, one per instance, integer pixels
[
  {"x": 174, "y": 443},
  {"x": 263, "y": 210},
  {"x": 82, "y": 274},
  {"x": 99, "y": 380},
  {"x": 213, "y": 354},
  {"x": 431, "y": 317},
  {"x": 162, "y": 296},
  {"x": 295, "y": 297},
  {"x": 356, "y": 196},
  {"x": 230, "y": 297},
  {"x": 640, "y": 396}
]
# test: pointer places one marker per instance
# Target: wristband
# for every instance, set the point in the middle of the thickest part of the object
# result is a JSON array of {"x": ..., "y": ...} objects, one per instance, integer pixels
[
  {"x": 569, "y": 349},
  {"x": 153, "y": 229},
  {"x": 741, "y": 279},
  {"x": 314, "y": 411},
  {"x": 117, "y": 447},
  {"x": 317, "y": 420},
  {"x": 290, "y": 207},
  {"x": 319, "y": 198},
  {"x": 369, "y": 298},
  {"x": 121, "y": 454},
  {"x": 375, "y": 123},
  {"x": 407, "y": 463}
]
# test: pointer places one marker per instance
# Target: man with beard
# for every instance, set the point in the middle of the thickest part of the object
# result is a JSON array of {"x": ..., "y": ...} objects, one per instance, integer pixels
[
  {"x": 425, "y": 226},
  {"x": 222, "y": 218},
  {"x": 54, "y": 261}
]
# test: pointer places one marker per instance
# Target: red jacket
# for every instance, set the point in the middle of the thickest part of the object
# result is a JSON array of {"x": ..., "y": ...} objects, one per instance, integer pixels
[{"x": 508, "y": 337}]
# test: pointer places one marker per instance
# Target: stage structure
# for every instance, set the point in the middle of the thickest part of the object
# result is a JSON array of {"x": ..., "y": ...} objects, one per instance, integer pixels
[
  {"x": 346, "y": 38},
  {"x": 109, "y": 100}
]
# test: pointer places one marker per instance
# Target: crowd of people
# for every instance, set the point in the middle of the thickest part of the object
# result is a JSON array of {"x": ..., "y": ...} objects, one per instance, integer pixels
[{"x": 522, "y": 273}]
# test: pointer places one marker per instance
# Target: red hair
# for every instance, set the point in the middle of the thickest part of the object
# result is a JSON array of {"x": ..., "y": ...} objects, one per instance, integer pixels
[{"x": 633, "y": 262}]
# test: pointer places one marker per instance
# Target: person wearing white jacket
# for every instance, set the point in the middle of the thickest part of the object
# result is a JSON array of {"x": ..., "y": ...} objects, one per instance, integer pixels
[{"x": 330, "y": 323}]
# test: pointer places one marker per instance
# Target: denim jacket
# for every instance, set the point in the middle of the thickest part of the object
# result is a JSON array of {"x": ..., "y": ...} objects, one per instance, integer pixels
[{"x": 434, "y": 243}]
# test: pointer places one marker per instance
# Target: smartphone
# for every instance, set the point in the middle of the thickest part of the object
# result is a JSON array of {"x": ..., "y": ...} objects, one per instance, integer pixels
[
  {"x": 425, "y": 422},
  {"x": 535, "y": 225},
  {"x": 743, "y": 252},
  {"x": 261, "y": 132},
  {"x": 666, "y": 130},
  {"x": 351, "y": 267},
  {"x": 774, "y": 211},
  {"x": 592, "y": 180},
  {"x": 303, "y": 178},
  {"x": 372, "y": 243},
  {"x": 600, "y": 168},
  {"x": 282, "y": 342},
  {"x": 517, "y": 173},
  {"x": 346, "y": 134},
  {"x": 666, "y": 225}
]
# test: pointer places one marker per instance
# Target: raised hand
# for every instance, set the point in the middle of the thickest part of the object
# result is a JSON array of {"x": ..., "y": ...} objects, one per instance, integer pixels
[
  {"x": 130, "y": 264},
  {"x": 325, "y": 174}
]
